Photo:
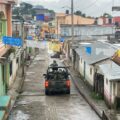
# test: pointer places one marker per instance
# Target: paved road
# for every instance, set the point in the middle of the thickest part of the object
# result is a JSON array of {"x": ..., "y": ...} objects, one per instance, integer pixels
[{"x": 34, "y": 105}]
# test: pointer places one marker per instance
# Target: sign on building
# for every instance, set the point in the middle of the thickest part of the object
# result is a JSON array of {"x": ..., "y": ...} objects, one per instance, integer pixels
[
  {"x": 88, "y": 50},
  {"x": 12, "y": 41}
]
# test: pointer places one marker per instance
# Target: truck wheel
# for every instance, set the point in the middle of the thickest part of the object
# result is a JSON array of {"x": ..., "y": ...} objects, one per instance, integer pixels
[{"x": 46, "y": 92}]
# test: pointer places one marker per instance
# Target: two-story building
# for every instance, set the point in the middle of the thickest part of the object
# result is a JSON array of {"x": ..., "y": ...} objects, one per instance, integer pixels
[{"x": 5, "y": 30}]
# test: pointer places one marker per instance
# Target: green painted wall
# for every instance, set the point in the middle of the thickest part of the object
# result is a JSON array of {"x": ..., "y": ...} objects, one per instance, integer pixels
[
  {"x": 4, "y": 81},
  {"x": 3, "y": 24},
  {"x": 1, "y": 82}
]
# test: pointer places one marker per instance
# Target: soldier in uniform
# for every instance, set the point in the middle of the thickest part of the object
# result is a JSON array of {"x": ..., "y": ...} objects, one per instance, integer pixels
[{"x": 54, "y": 65}]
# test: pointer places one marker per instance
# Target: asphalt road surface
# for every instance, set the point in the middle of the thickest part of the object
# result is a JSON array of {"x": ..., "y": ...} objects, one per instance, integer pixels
[{"x": 33, "y": 104}]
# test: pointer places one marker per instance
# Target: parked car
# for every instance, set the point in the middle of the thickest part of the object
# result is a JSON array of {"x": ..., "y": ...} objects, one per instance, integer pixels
[{"x": 57, "y": 80}]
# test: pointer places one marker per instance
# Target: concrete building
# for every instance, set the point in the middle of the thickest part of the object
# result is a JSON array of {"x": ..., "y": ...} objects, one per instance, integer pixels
[
  {"x": 65, "y": 19},
  {"x": 86, "y": 30},
  {"x": 43, "y": 14},
  {"x": 111, "y": 77},
  {"x": 90, "y": 54},
  {"x": 92, "y": 59},
  {"x": 5, "y": 30}
]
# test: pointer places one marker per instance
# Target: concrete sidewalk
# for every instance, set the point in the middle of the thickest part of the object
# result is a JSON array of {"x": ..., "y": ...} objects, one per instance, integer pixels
[
  {"x": 16, "y": 88},
  {"x": 98, "y": 106}
]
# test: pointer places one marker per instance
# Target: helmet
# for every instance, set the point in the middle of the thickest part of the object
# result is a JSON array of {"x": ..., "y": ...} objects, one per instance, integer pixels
[{"x": 54, "y": 61}]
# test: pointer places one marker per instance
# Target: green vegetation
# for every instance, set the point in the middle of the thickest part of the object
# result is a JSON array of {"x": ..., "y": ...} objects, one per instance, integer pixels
[
  {"x": 79, "y": 13},
  {"x": 96, "y": 96},
  {"x": 24, "y": 9}
]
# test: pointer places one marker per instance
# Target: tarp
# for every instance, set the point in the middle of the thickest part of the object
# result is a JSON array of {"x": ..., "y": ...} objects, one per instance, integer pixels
[
  {"x": 35, "y": 44},
  {"x": 56, "y": 47},
  {"x": 40, "y": 17}
]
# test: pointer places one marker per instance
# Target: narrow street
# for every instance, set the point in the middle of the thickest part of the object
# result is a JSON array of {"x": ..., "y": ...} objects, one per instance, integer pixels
[{"x": 33, "y": 104}]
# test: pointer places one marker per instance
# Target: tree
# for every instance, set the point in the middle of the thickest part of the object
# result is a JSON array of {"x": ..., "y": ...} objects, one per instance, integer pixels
[
  {"x": 107, "y": 15},
  {"x": 78, "y": 13},
  {"x": 83, "y": 15},
  {"x": 24, "y": 8},
  {"x": 51, "y": 11}
]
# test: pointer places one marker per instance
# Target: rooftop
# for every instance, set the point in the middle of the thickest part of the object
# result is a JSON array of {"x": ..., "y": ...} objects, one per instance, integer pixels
[
  {"x": 95, "y": 52},
  {"x": 111, "y": 70}
]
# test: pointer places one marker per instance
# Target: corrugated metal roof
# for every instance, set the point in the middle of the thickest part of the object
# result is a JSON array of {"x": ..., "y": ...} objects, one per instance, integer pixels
[
  {"x": 110, "y": 70},
  {"x": 99, "y": 51}
]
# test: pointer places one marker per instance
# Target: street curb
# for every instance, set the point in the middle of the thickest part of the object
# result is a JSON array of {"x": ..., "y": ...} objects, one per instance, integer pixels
[
  {"x": 85, "y": 97},
  {"x": 19, "y": 88},
  {"x": 14, "y": 101}
]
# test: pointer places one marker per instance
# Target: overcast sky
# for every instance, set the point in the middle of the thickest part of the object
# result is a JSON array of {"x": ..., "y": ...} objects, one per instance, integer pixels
[{"x": 90, "y": 7}]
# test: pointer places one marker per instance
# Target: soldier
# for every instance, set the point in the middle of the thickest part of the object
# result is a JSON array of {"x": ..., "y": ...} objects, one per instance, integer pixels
[{"x": 54, "y": 65}]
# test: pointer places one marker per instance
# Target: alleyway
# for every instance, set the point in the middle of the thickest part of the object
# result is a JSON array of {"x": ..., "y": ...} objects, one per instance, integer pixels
[{"x": 34, "y": 105}]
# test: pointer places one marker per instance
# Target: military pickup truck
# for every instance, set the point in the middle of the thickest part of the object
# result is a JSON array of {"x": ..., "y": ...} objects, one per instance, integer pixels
[{"x": 57, "y": 80}]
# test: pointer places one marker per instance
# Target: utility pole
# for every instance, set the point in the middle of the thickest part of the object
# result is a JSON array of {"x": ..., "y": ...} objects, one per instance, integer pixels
[
  {"x": 57, "y": 28},
  {"x": 72, "y": 19}
]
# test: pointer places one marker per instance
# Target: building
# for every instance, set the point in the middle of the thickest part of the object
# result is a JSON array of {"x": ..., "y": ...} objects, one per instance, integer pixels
[
  {"x": 65, "y": 19},
  {"x": 110, "y": 73},
  {"x": 92, "y": 59},
  {"x": 116, "y": 20},
  {"x": 43, "y": 14},
  {"x": 90, "y": 54},
  {"x": 5, "y": 30},
  {"x": 86, "y": 30}
]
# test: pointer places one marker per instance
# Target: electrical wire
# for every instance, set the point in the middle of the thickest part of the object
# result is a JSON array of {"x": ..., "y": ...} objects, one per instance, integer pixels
[
  {"x": 108, "y": 6},
  {"x": 89, "y": 6}
]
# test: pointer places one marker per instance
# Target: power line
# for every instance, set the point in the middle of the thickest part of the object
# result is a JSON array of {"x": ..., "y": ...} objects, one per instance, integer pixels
[
  {"x": 89, "y": 6},
  {"x": 108, "y": 6}
]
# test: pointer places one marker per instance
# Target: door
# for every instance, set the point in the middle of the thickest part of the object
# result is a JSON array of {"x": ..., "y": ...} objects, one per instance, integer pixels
[
  {"x": 99, "y": 84},
  {"x": 84, "y": 70}
]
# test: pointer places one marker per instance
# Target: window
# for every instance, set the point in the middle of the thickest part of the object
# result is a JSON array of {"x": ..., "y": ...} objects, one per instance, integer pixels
[
  {"x": 17, "y": 60},
  {"x": 107, "y": 81},
  {"x": 90, "y": 71},
  {"x": 10, "y": 68}
]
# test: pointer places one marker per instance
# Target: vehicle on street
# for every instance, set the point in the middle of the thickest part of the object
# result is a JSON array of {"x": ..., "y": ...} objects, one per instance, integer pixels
[{"x": 57, "y": 80}]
